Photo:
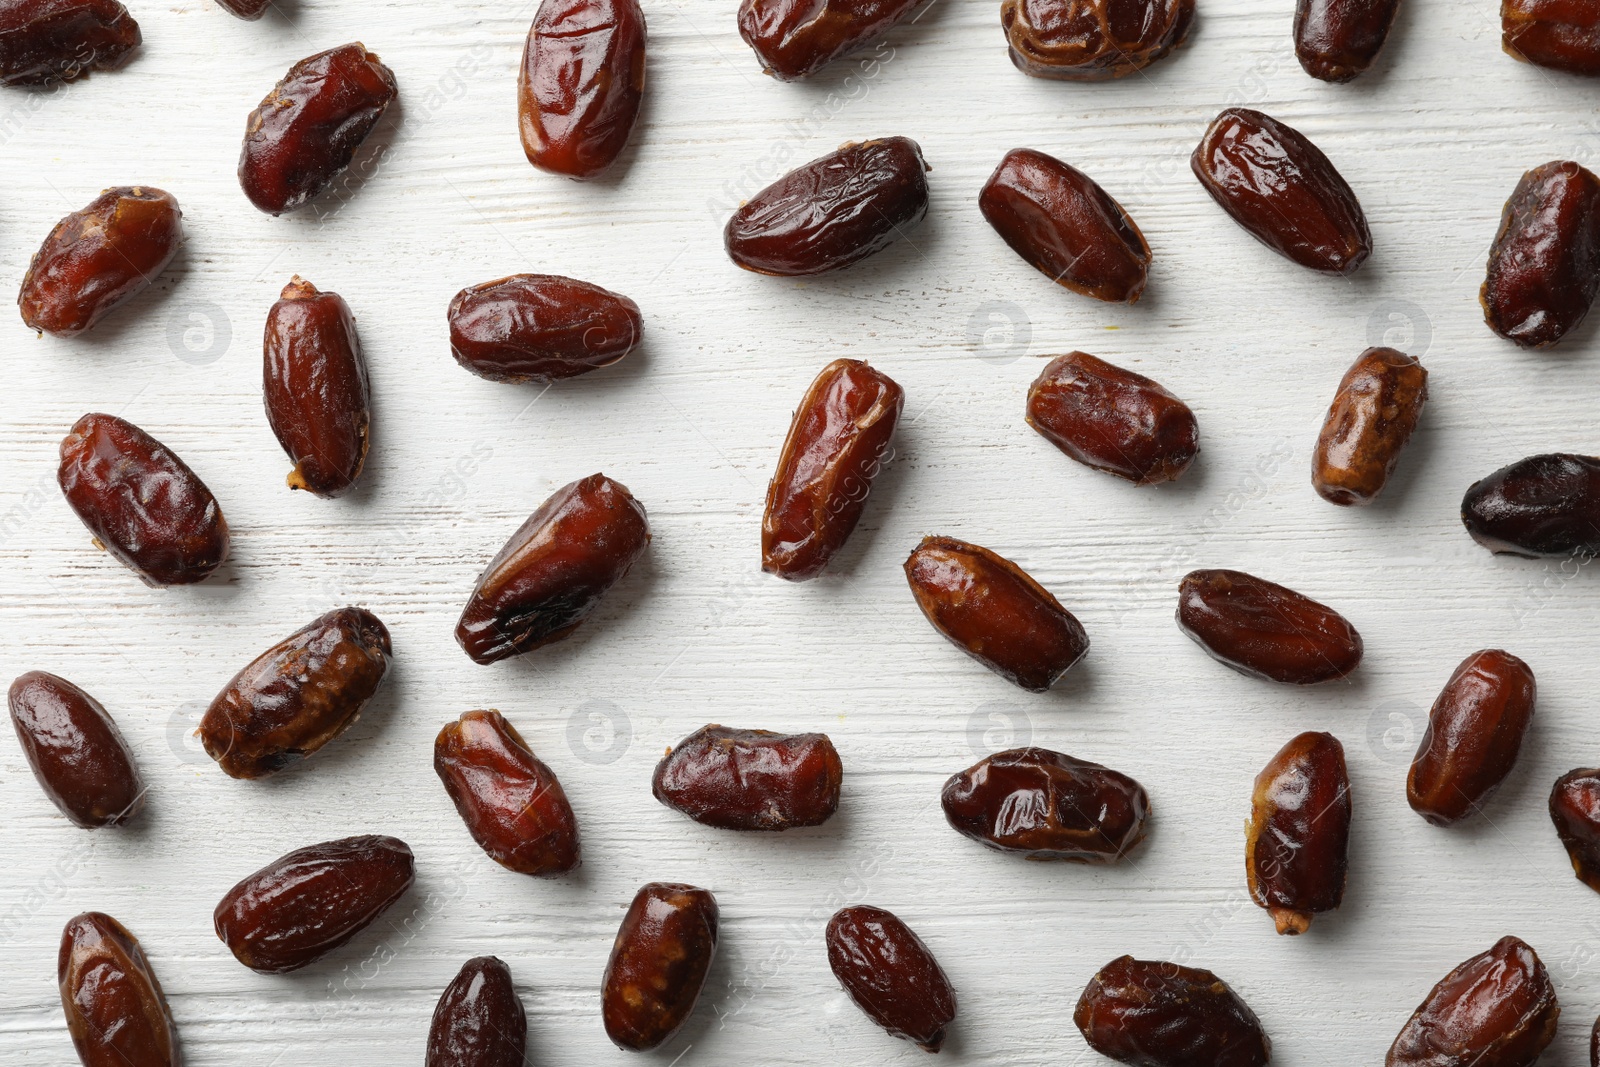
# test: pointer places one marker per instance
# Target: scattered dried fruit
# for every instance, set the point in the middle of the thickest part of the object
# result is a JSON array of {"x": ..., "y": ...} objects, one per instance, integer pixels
[
  {"x": 1474, "y": 733},
  {"x": 1335, "y": 40},
  {"x": 1113, "y": 419},
  {"x": 794, "y": 38},
  {"x": 479, "y": 1021},
  {"x": 1297, "y": 843},
  {"x": 1544, "y": 265},
  {"x": 1575, "y": 809},
  {"x": 891, "y": 975},
  {"x": 751, "y": 779},
  {"x": 1156, "y": 1014},
  {"x": 1092, "y": 40},
  {"x": 76, "y": 751},
  {"x": 1369, "y": 422},
  {"x": 580, "y": 85},
  {"x": 658, "y": 964},
  {"x": 1545, "y": 505},
  {"x": 44, "y": 41},
  {"x": 115, "y": 1010},
  {"x": 540, "y": 328},
  {"x": 1264, "y": 629},
  {"x": 1498, "y": 1009},
  {"x": 1552, "y": 33}
]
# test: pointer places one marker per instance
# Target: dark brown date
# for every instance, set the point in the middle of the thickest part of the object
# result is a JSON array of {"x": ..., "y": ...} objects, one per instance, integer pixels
[
  {"x": 115, "y": 1010},
  {"x": 751, "y": 779},
  {"x": 1092, "y": 40},
  {"x": 249, "y": 10},
  {"x": 479, "y": 1021},
  {"x": 1156, "y": 1014},
  {"x": 1575, "y": 810},
  {"x": 44, "y": 41},
  {"x": 512, "y": 803},
  {"x": 540, "y": 328},
  {"x": 1113, "y": 419},
  {"x": 552, "y": 573},
  {"x": 832, "y": 212},
  {"x": 658, "y": 964},
  {"x": 1282, "y": 190},
  {"x": 1557, "y": 34},
  {"x": 838, "y": 442},
  {"x": 794, "y": 38},
  {"x": 141, "y": 502},
  {"x": 1335, "y": 40},
  {"x": 1497, "y": 1009},
  {"x": 1474, "y": 733},
  {"x": 319, "y": 403},
  {"x": 1297, "y": 843},
  {"x": 891, "y": 975},
  {"x": 307, "y": 130},
  {"x": 305, "y": 904},
  {"x": 97, "y": 259},
  {"x": 297, "y": 695},
  {"x": 1047, "y": 806},
  {"x": 1545, "y": 505},
  {"x": 76, "y": 751},
  {"x": 581, "y": 83},
  {"x": 1369, "y": 422},
  {"x": 1544, "y": 264},
  {"x": 1265, "y": 630},
  {"x": 992, "y": 610}
]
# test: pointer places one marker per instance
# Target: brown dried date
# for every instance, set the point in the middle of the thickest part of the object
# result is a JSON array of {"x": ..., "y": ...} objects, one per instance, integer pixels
[
  {"x": 512, "y": 803},
  {"x": 1297, "y": 843},
  {"x": 1575, "y": 810},
  {"x": 305, "y": 904},
  {"x": 249, "y": 10},
  {"x": 43, "y": 41},
  {"x": 1048, "y": 806},
  {"x": 1265, "y": 630},
  {"x": 115, "y": 1010},
  {"x": 1558, "y": 34},
  {"x": 479, "y": 1021},
  {"x": 992, "y": 610},
  {"x": 794, "y": 38},
  {"x": 580, "y": 85},
  {"x": 1112, "y": 419},
  {"x": 1497, "y": 1009},
  {"x": 540, "y": 328},
  {"x": 1155, "y": 1014},
  {"x": 837, "y": 444},
  {"x": 832, "y": 212},
  {"x": 314, "y": 381},
  {"x": 307, "y": 130},
  {"x": 1474, "y": 734},
  {"x": 76, "y": 751},
  {"x": 751, "y": 779},
  {"x": 1092, "y": 40},
  {"x": 1335, "y": 40},
  {"x": 1283, "y": 191},
  {"x": 658, "y": 964},
  {"x": 1545, "y": 505},
  {"x": 1544, "y": 264},
  {"x": 1369, "y": 422},
  {"x": 552, "y": 573},
  {"x": 891, "y": 975},
  {"x": 297, "y": 695}
]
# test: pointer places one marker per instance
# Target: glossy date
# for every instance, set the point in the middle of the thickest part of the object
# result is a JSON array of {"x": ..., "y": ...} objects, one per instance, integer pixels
[
  {"x": 1475, "y": 731},
  {"x": 1297, "y": 842},
  {"x": 540, "y": 328},
  {"x": 1113, "y": 420},
  {"x": 1266, "y": 630},
  {"x": 76, "y": 751},
  {"x": 658, "y": 964},
  {"x": 1557, "y": 34},
  {"x": 891, "y": 975},
  {"x": 580, "y": 84},
  {"x": 1092, "y": 40},
  {"x": 314, "y": 380},
  {"x": 751, "y": 779},
  {"x": 1575, "y": 810},
  {"x": 1544, "y": 264},
  {"x": 1156, "y": 1014},
  {"x": 1497, "y": 1009},
  {"x": 44, "y": 41},
  {"x": 1335, "y": 40},
  {"x": 479, "y": 1021},
  {"x": 1545, "y": 505},
  {"x": 795, "y": 38},
  {"x": 115, "y": 1010},
  {"x": 249, "y": 10},
  {"x": 1369, "y": 422}
]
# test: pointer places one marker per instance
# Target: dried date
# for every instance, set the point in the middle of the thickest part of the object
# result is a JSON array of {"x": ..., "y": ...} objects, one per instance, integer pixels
[
  {"x": 658, "y": 964},
  {"x": 76, "y": 751},
  {"x": 1475, "y": 731},
  {"x": 751, "y": 779},
  {"x": 1557, "y": 34},
  {"x": 1297, "y": 842},
  {"x": 1575, "y": 810},
  {"x": 540, "y": 328},
  {"x": 1113, "y": 420},
  {"x": 249, "y": 10},
  {"x": 1544, "y": 264},
  {"x": 1546, "y": 505},
  {"x": 1266, "y": 630},
  {"x": 314, "y": 381},
  {"x": 1497, "y": 1009},
  {"x": 796, "y": 38},
  {"x": 45, "y": 41},
  {"x": 115, "y": 1010},
  {"x": 580, "y": 84},
  {"x": 1092, "y": 40},
  {"x": 1155, "y": 1014},
  {"x": 479, "y": 1021},
  {"x": 1335, "y": 40},
  {"x": 1369, "y": 422},
  {"x": 891, "y": 975}
]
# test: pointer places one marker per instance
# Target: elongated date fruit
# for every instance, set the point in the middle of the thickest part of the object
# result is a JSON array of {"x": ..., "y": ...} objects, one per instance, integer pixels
[
  {"x": 141, "y": 502},
  {"x": 297, "y": 695},
  {"x": 249, "y": 10},
  {"x": 540, "y": 328},
  {"x": 45, "y": 41},
  {"x": 1474, "y": 734},
  {"x": 479, "y": 1021},
  {"x": 1156, "y": 1014},
  {"x": 1336, "y": 40},
  {"x": 794, "y": 38},
  {"x": 76, "y": 751},
  {"x": 833, "y": 212},
  {"x": 992, "y": 610},
  {"x": 1369, "y": 422},
  {"x": 115, "y": 1010},
  {"x": 512, "y": 803},
  {"x": 1557, "y": 34},
  {"x": 307, "y": 130},
  {"x": 1283, "y": 191},
  {"x": 1297, "y": 843},
  {"x": 658, "y": 964},
  {"x": 838, "y": 442},
  {"x": 1112, "y": 419},
  {"x": 1264, "y": 629},
  {"x": 305, "y": 904},
  {"x": 552, "y": 573},
  {"x": 1498, "y": 1009},
  {"x": 314, "y": 381},
  {"x": 1047, "y": 806},
  {"x": 1544, "y": 264},
  {"x": 1547, "y": 505},
  {"x": 581, "y": 83},
  {"x": 751, "y": 779},
  {"x": 891, "y": 975},
  {"x": 1092, "y": 40},
  {"x": 1575, "y": 810}
]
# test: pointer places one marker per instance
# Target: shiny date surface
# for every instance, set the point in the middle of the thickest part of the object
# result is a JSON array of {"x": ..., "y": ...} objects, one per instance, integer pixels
[
  {"x": 1113, "y": 420},
  {"x": 1336, "y": 40},
  {"x": 751, "y": 779},
  {"x": 1556, "y": 34},
  {"x": 1575, "y": 810},
  {"x": 1156, "y": 1014},
  {"x": 1544, "y": 264},
  {"x": 1092, "y": 40},
  {"x": 1474, "y": 733},
  {"x": 479, "y": 1020},
  {"x": 891, "y": 975},
  {"x": 658, "y": 964},
  {"x": 1369, "y": 422},
  {"x": 1546, "y": 505},
  {"x": 580, "y": 84},
  {"x": 249, "y": 10},
  {"x": 115, "y": 1010},
  {"x": 1297, "y": 841},
  {"x": 540, "y": 328},
  {"x": 45, "y": 41},
  {"x": 1266, "y": 630},
  {"x": 76, "y": 751},
  {"x": 1497, "y": 1009},
  {"x": 796, "y": 38}
]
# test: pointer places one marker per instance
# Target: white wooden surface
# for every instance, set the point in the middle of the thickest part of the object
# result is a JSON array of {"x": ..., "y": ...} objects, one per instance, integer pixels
[{"x": 1433, "y": 140}]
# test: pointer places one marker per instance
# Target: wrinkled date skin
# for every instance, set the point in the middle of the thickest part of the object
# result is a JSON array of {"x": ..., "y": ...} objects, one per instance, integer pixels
[
  {"x": 1369, "y": 422},
  {"x": 305, "y": 904},
  {"x": 555, "y": 569},
  {"x": 1283, "y": 191},
  {"x": 44, "y": 41},
  {"x": 97, "y": 259},
  {"x": 1474, "y": 734},
  {"x": 479, "y": 1021},
  {"x": 115, "y": 1010},
  {"x": 1558, "y": 34},
  {"x": 1092, "y": 40},
  {"x": 1297, "y": 843},
  {"x": 1575, "y": 810},
  {"x": 512, "y": 803},
  {"x": 1113, "y": 419},
  {"x": 1545, "y": 505},
  {"x": 891, "y": 975},
  {"x": 794, "y": 38},
  {"x": 581, "y": 83},
  {"x": 307, "y": 130},
  {"x": 314, "y": 379},
  {"x": 297, "y": 695},
  {"x": 141, "y": 502},
  {"x": 1058, "y": 219},
  {"x": 540, "y": 328},
  {"x": 1047, "y": 806},
  {"x": 76, "y": 751},
  {"x": 832, "y": 212},
  {"x": 658, "y": 964},
  {"x": 1156, "y": 1014},
  {"x": 1265, "y": 630},
  {"x": 249, "y": 10},
  {"x": 1544, "y": 265},
  {"x": 1497, "y": 1009},
  {"x": 1336, "y": 40},
  {"x": 751, "y": 779},
  {"x": 992, "y": 610},
  {"x": 838, "y": 442}
]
